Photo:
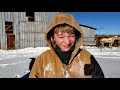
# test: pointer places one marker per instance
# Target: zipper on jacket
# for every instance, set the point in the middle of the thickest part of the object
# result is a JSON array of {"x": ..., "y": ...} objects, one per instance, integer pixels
[{"x": 66, "y": 72}]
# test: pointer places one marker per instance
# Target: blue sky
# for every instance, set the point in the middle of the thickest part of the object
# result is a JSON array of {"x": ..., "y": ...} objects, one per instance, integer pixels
[{"x": 105, "y": 22}]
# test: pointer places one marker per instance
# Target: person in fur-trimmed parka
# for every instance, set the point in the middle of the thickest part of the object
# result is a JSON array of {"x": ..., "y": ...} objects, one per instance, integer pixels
[{"x": 65, "y": 59}]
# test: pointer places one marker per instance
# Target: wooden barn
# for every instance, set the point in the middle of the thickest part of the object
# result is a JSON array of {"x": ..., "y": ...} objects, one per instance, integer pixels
[
  {"x": 89, "y": 35},
  {"x": 23, "y": 29}
]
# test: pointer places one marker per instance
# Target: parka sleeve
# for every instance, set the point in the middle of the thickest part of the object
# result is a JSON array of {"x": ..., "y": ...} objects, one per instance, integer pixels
[
  {"x": 35, "y": 71},
  {"x": 95, "y": 69}
]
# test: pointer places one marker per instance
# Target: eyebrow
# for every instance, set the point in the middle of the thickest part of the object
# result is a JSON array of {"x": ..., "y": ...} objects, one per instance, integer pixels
[{"x": 59, "y": 34}]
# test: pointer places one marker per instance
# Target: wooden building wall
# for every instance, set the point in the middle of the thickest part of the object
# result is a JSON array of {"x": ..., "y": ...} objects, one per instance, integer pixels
[
  {"x": 89, "y": 35},
  {"x": 3, "y": 38},
  {"x": 26, "y": 34}
]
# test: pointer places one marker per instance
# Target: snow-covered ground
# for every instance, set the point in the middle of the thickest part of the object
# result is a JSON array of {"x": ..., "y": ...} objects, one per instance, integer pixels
[{"x": 15, "y": 63}]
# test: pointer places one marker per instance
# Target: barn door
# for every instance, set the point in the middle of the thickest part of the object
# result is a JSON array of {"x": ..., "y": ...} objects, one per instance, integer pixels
[{"x": 10, "y": 41}]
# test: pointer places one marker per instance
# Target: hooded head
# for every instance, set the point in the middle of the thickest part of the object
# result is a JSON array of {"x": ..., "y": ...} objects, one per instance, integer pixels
[{"x": 62, "y": 19}]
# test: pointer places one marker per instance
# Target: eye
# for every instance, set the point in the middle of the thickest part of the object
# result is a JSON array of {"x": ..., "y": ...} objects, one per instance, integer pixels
[
  {"x": 72, "y": 35},
  {"x": 60, "y": 37}
]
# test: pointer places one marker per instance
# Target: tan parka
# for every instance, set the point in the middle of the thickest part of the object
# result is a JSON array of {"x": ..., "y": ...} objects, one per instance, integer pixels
[{"x": 49, "y": 65}]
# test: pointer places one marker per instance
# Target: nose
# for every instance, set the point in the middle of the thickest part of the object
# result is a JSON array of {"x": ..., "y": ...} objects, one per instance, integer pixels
[{"x": 67, "y": 40}]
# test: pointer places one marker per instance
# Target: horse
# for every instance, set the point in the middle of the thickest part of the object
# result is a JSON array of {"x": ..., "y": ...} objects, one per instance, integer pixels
[{"x": 109, "y": 40}]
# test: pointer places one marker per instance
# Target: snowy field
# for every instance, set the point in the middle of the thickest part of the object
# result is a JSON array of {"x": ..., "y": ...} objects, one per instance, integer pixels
[{"x": 15, "y": 63}]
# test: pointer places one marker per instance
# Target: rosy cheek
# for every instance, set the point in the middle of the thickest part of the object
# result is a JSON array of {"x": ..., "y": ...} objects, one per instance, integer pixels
[
  {"x": 73, "y": 40},
  {"x": 58, "y": 40}
]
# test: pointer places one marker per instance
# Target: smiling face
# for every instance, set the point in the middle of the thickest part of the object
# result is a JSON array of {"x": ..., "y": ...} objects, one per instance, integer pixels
[{"x": 64, "y": 37}]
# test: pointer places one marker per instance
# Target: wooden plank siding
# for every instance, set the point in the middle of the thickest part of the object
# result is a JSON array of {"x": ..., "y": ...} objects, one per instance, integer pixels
[
  {"x": 32, "y": 34},
  {"x": 89, "y": 35},
  {"x": 26, "y": 34},
  {"x": 2, "y": 29}
]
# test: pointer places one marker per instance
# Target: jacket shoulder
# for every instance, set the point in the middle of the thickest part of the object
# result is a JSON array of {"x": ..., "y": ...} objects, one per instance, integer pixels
[
  {"x": 85, "y": 55},
  {"x": 85, "y": 52},
  {"x": 45, "y": 54}
]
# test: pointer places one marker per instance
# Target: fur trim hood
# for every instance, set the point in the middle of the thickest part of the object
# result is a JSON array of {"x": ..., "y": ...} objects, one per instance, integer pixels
[{"x": 63, "y": 18}]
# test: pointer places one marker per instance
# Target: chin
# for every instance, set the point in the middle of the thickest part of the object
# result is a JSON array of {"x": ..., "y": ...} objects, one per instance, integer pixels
[{"x": 65, "y": 50}]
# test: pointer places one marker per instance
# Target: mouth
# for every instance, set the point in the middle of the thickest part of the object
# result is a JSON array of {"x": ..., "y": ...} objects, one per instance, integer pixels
[{"x": 67, "y": 46}]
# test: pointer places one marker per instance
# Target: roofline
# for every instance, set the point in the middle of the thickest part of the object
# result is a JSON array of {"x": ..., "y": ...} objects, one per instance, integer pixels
[{"x": 88, "y": 26}]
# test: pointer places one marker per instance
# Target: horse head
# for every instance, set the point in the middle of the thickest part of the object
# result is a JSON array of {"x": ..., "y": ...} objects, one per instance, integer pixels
[{"x": 116, "y": 37}]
